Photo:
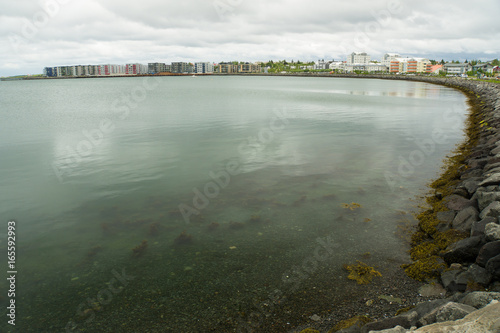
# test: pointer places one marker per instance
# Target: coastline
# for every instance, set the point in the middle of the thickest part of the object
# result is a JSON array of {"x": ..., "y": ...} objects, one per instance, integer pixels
[
  {"x": 456, "y": 248},
  {"x": 476, "y": 91}
]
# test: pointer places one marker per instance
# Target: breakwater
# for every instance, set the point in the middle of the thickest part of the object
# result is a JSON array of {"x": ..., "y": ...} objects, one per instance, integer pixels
[{"x": 456, "y": 247}]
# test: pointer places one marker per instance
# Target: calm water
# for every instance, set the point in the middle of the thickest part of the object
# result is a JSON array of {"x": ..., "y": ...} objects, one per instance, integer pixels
[{"x": 234, "y": 186}]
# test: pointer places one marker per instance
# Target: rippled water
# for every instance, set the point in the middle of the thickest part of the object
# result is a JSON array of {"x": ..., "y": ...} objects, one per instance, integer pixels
[{"x": 240, "y": 190}]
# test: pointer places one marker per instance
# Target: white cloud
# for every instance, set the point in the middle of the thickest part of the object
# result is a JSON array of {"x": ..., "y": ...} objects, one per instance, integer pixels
[{"x": 114, "y": 31}]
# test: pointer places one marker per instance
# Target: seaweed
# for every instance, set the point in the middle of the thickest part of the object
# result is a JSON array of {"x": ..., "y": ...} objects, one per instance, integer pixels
[{"x": 361, "y": 272}]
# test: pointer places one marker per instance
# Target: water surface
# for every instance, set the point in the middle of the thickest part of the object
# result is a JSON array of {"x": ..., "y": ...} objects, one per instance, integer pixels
[{"x": 241, "y": 187}]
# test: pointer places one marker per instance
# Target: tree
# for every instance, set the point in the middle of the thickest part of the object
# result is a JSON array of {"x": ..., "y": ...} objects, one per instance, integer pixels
[
  {"x": 495, "y": 62},
  {"x": 433, "y": 62},
  {"x": 442, "y": 61}
]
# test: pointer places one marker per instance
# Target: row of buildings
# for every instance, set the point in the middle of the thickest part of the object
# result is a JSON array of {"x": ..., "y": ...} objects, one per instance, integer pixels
[
  {"x": 151, "y": 68},
  {"x": 395, "y": 63}
]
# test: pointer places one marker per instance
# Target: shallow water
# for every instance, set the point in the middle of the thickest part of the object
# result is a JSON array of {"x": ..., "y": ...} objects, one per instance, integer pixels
[{"x": 257, "y": 172}]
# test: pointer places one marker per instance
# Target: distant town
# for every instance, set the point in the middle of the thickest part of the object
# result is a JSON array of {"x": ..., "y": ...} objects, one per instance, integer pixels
[{"x": 357, "y": 62}]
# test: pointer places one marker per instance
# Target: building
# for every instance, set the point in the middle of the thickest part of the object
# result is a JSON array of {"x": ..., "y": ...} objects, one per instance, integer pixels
[
  {"x": 50, "y": 71},
  {"x": 203, "y": 67},
  {"x": 158, "y": 67},
  {"x": 181, "y": 67},
  {"x": 388, "y": 58},
  {"x": 485, "y": 68},
  {"x": 358, "y": 58},
  {"x": 227, "y": 68},
  {"x": 370, "y": 68},
  {"x": 410, "y": 65},
  {"x": 457, "y": 69},
  {"x": 322, "y": 64},
  {"x": 436, "y": 69},
  {"x": 249, "y": 68},
  {"x": 336, "y": 66},
  {"x": 136, "y": 69}
]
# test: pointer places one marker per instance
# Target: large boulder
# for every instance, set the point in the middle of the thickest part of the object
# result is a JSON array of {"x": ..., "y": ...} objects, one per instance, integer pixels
[
  {"x": 492, "y": 232},
  {"x": 479, "y": 274},
  {"x": 479, "y": 299},
  {"x": 485, "y": 320},
  {"x": 477, "y": 228},
  {"x": 463, "y": 251},
  {"x": 457, "y": 202},
  {"x": 465, "y": 218},
  {"x": 488, "y": 251},
  {"x": 491, "y": 180},
  {"x": 484, "y": 197},
  {"x": 493, "y": 267},
  {"x": 448, "y": 311},
  {"x": 493, "y": 210}
]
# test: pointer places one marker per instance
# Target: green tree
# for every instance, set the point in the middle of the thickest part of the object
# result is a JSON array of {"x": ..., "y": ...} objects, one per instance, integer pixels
[{"x": 495, "y": 62}]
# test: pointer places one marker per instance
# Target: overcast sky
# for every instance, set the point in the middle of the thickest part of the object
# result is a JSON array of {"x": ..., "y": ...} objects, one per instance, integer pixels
[{"x": 72, "y": 32}]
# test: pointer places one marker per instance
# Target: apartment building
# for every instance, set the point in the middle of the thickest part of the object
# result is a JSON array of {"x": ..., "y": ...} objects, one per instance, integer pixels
[
  {"x": 388, "y": 58},
  {"x": 457, "y": 69},
  {"x": 410, "y": 65},
  {"x": 358, "y": 58},
  {"x": 227, "y": 68},
  {"x": 203, "y": 67},
  {"x": 181, "y": 67},
  {"x": 158, "y": 67},
  {"x": 249, "y": 68}
]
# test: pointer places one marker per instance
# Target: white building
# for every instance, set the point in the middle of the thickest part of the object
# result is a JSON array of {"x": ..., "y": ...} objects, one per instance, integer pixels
[
  {"x": 336, "y": 65},
  {"x": 321, "y": 64},
  {"x": 388, "y": 57},
  {"x": 203, "y": 67},
  {"x": 358, "y": 58}
]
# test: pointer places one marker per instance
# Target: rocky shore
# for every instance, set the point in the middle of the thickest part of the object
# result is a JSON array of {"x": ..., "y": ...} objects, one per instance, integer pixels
[{"x": 456, "y": 247}]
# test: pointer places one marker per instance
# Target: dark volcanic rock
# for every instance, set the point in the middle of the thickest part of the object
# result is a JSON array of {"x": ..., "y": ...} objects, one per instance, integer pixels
[
  {"x": 493, "y": 210},
  {"x": 447, "y": 216},
  {"x": 487, "y": 252},
  {"x": 493, "y": 267},
  {"x": 405, "y": 320},
  {"x": 477, "y": 228},
  {"x": 479, "y": 275},
  {"x": 465, "y": 218},
  {"x": 463, "y": 251},
  {"x": 456, "y": 202}
]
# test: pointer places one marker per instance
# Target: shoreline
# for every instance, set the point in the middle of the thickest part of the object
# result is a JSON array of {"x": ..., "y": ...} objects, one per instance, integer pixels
[{"x": 456, "y": 247}]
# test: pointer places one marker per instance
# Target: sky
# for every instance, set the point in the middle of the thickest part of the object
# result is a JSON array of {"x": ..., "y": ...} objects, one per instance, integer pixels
[{"x": 35, "y": 34}]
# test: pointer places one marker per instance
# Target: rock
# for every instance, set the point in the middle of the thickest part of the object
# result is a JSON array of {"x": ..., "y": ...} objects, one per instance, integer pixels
[
  {"x": 425, "y": 307},
  {"x": 315, "y": 317},
  {"x": 430, "y": 290},
  {"x": 448, "y": 311},
  {"x": 405, "y": 320},
  {"x": 488, "y": 251},
  {"x": 481, "y": 162},
  {"x": 491, "y": 167},
  {"x": 493, "y": 209},
  {"x": 477, "y": 228},
  {"x": 481, "y": 321},
  {"x": 448, "y": 278},
  {"x": 479, "y": 274},
  {"x": 479, "y": 299},
  {"x": 397, "y": 329},
  {"x": 461, "y": 192},
  {"x": 465, "y": 218},
  {"x": 471, "y": 185},
  {"x": 447, "y": 216},
  {"x": 492, "y": 232},
  {"x": 462, "y": 251},
  {"x": 484, "y": 198},
  {"x": 492, "y": 180},
  {"x": 456, "y": 202},
  {"x": 493, "y": 266}
]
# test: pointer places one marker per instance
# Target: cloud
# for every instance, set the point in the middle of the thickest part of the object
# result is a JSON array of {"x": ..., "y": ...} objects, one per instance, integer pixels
[{"x": 113, "y": 31}]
